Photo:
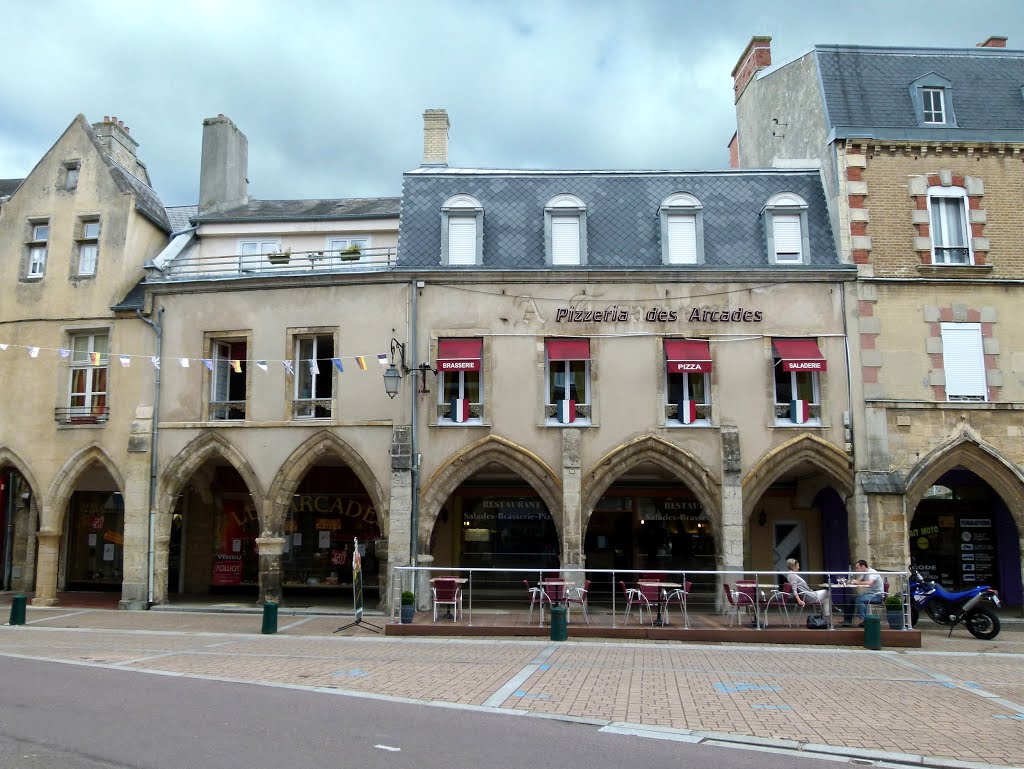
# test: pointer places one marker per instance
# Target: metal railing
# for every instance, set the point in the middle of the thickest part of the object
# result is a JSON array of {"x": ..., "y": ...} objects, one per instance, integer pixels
[
  {"x": 491, "y": 591},
  {"x": 296, "y": 263},
  {"x": 82, "y": 415}
]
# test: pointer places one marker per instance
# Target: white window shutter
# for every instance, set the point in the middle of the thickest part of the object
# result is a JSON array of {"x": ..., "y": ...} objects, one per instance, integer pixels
[
  {"x": 565, "y": 240},
  {"x": 963, "y": 358},
  {"x": 788, "y": 237},
  {"x": 682, "y": 240},
  {"x": 461, "y": 240}
]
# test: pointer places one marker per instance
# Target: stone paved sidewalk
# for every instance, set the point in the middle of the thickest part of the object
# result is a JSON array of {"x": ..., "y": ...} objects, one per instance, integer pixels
[{"x": 956, "y": 698}]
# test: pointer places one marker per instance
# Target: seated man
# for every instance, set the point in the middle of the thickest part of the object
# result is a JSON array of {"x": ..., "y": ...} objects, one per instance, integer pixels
[{"x": 871, "y": 589}]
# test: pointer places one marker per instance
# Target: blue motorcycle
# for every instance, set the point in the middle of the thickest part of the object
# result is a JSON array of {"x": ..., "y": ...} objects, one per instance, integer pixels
[{"x": 951, "y": 609}]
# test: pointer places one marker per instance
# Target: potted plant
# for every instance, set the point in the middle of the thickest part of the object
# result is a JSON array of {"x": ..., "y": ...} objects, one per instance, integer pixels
[
  {"x": 407, "y": 606},
  {"x": 351, "y": 254},
  {"x": 280, "y": 257},
  {"x": 894, "y": 611}
]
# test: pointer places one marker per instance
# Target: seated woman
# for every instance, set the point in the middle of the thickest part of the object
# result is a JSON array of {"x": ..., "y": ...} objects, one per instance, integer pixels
[{"x": 802, "y": 591}]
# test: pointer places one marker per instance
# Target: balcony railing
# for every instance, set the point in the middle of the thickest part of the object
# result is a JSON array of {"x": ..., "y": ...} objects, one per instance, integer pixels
[
  {"x": 82, "y": 415},
  {"x": 227, "y": 410},
  {"x": 312, "y": 408},
  {"x": 295, "y": 263}
]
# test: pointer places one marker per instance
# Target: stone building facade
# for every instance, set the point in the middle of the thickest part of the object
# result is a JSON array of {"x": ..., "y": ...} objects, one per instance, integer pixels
[{"x": 925, "y": 190}]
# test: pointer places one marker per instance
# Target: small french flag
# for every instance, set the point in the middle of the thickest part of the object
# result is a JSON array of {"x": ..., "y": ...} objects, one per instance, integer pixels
[
  {"x": 566, "y": 412},
  {"x": 460, "y": 409},
  {"x": 688, "y": 411},
  {"x": 799, "y": 411}
]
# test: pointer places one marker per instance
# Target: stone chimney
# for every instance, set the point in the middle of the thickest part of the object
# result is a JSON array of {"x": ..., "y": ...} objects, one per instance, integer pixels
[
  {"x": 755, "y": 57},
  {"x": 113, "y": 136},
  {"x": 435, "y": 137},
  {"x": 224, "y": 168},
  {"x": 995, "y": 41}
]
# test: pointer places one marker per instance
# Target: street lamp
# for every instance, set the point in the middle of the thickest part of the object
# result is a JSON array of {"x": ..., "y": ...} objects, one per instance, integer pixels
[
  {"x": 392, "y": 381},
  {"x": 393, "y": 377}
]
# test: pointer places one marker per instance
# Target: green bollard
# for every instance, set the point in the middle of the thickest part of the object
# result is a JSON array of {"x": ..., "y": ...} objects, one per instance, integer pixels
[
  {"x": 269, "y": 618},
  {"x": 18, "y": 609},
  {"x": 872, "y": 632},
  {"x": 559, "y": 626}
]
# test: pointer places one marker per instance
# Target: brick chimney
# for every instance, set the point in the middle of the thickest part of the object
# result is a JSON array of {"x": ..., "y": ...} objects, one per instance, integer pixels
[
  {"x": 734, "y": 151},
  {"x": 995, "y": 41},
  {"x": 113, "y": 136},
  {"x": 435, "y": 137},
  {"x": 224, "y": 168},
  {"x": 755, "y": 57}
]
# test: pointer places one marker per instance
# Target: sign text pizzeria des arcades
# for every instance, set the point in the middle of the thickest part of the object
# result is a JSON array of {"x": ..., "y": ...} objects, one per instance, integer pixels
[{"x": 634, "y": 313}]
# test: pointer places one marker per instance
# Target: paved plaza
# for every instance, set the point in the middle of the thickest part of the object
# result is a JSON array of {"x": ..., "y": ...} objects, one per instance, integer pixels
[{"x": 954, "y": 699}]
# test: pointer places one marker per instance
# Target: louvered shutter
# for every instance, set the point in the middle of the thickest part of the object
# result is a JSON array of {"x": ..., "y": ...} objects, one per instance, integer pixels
[
  {"x": 565, "y": 240},
  {"x": 461, "y": 240},
  {"x": 682, "y": 240},
  {"x": 963, "y": 359},
  {"x": 788, "y": 237}
]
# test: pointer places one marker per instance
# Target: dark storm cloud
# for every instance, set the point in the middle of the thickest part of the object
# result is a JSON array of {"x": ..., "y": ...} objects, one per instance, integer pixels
[{"x": 330, "y": 94}]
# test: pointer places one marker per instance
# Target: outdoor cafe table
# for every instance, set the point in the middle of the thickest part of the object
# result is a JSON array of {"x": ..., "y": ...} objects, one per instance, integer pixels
[
  {"x": 760, "y": 599},
  {"x": 662, "y": 600}
]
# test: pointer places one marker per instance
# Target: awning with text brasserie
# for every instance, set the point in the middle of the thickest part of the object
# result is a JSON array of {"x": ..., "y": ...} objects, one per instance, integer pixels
[
  {"x": 799, "y": 355},
  {"x": 688, "y": 356},
  {"x": 568, "y": 349},
  {"x": 459, "y": 354}
]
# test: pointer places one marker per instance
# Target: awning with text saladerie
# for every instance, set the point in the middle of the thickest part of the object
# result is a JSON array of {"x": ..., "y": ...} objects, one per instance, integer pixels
[
  {"x": 799, "y": 355},
  {"x": 688, "y": 356},
  {"x": 568, "y": 349},
  {"x": 459, "y": 354}
]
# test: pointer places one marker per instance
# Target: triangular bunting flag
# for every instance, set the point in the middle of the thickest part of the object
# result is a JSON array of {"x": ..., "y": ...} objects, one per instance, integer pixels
[
  {"x": 33, "y": 352},
  {"x": 261, "y": 365},
  {"x": 64, "y": 352},
  {"x": 337, "y": 365},
  {"x": 288, "y": 366},
  {"x": 208, "y": 362},
  {"x": 236, "y": 366},
  {"x": 361, "y": 362},
  {"x": 183, "y": 362},
  {"x": 313, "y": 367},
  {"x": 95, "y": 359},
  {"x": 382, "y": 359},
  {"x": 125, "y": 361},
  {"x": 155, "y": 361},
  {"x": 3, "y": 345}
]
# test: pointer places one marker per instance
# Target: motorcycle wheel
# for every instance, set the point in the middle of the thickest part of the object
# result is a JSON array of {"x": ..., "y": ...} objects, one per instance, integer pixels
[
  {"x": 915, "y": 615},
  {"x": 982, "y": 624}
]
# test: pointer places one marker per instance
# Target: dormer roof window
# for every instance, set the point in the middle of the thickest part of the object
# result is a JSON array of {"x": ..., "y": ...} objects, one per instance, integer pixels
[
  {"x": 785, "y": 221},
  {"x": 682, "y": 229},
  {"x": 932, "y": 96},
  {"x": 565, "y": 231},
  {"x": 462, "y": 239}
]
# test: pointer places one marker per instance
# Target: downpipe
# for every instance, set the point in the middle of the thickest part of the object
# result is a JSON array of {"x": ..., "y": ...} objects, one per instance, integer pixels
[{"x": 158, "y": 329}]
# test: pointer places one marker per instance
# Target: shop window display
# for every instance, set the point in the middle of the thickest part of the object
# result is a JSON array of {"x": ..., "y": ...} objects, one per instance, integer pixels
[
  {"x": 319, "y": 532},
  {"x": 95, "y": 541}
]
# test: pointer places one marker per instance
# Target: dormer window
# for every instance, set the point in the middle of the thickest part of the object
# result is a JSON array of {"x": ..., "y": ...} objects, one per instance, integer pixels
[
  {"x": 462, "y": 219},
  {"x": 785, "y": 218},
  {"x": 565, "y": 231},
  {"x": 682, "y": 230},
  {"x": 932, "y": 98}
]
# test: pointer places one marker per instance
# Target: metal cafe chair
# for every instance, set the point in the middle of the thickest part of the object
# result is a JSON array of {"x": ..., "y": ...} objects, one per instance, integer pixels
[
  {"x": 535, "y": 599},
  {"x": 632, "y": 596},
  {"x": 738, "y": 600},
  {"x": 447, "y": 592},
  {"x": 679, "y": 596},
  {"x": 578, "y": 596}
]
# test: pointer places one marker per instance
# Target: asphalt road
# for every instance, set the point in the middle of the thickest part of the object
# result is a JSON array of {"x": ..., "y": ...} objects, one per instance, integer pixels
[{"x": 64, "y": 716}]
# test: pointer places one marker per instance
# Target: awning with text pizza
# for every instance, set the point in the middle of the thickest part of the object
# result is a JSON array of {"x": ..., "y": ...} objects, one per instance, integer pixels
[{"x": 688, "y": 356}]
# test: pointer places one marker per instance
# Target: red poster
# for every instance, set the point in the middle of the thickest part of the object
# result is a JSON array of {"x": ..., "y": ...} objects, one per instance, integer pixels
[
  {"x": 97, "y": 522},
  {"x": 227, "y": 569}
]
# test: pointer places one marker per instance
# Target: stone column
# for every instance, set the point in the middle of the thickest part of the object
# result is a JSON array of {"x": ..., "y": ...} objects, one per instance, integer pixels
[
  {"x": 890, "y": 549},
  {"x": 424, "y": 598},
  {"x": 572, "y": 501},
  {"x": 46, "y": 568},
  {"x": 399, "y": 526},
  {"x": 270, "y": 550},
  {"x": 135, "y": 552},
  {"x": 732, "y": 530},
  {"x": 380, "y": 549}
]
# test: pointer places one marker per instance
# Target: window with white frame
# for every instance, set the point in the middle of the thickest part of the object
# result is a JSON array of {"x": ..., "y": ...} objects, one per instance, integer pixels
[
  {"x": 460, "y": 377},
  {"x": 565, "y": 231},
  {"x": 228, "y": 379},
  {"x": 933, "y": 105},
  {"x": 87, "y": 389},
  {"x": 963, "y": 361},
  {"x": 682, "y": 230},
  {"x": 253, "y": 253},
  {"x": 567, "y": 381},
  {"x": 88, "y": 247},
  {"x": 786, "y": 229},
  {"x": 688, "y": 368},
  {"x": 462, "y": 219},
  {"x": 348, "y": 248},
  {"x": 314, "y": 377},
  {"x": 797, "y": 364},
  {"x": 38, "y": 246},
  {"x": 950, "y": 230}
]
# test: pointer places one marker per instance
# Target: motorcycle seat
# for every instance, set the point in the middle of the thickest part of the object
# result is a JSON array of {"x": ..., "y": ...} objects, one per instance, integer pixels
[{"x": 962, "y": 594}]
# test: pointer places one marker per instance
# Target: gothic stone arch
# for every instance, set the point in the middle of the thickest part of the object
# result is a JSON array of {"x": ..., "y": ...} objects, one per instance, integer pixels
[
  {"x": 803, "y": 449},
  {"x": 56, "y": 501}
]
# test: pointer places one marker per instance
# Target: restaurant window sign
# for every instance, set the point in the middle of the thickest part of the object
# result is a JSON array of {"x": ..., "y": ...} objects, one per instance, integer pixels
[
  {"x": 235, "y": 554},
  {"x": 318, "y": 539},
  {"x": 96, "y": 540}
]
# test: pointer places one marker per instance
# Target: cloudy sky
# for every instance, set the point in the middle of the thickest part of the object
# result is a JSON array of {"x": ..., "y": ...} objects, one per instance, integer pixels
[{"x": 331, "y": 93}]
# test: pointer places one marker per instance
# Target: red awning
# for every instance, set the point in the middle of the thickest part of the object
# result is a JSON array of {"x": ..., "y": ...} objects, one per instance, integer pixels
[
  {"x": 459, "y": 354},
  {"x": 799, "y": 355},
  {"x": 568, "y": 349},
  {"x": 688, "y": 356}
]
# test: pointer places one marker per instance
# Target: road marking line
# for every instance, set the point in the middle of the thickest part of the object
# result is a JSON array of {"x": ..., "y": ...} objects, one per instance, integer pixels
[
  {"x": 512, "y": 685},
  {"x": 388, "y": 748},
  {"x": 59, "y": 616},
  {"x": 295, "y": 624},
  {"x": 948, "y": 681}
]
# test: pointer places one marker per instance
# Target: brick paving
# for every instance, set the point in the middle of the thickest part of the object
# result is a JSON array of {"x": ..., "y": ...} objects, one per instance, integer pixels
[{"x": 956, "y": 698}]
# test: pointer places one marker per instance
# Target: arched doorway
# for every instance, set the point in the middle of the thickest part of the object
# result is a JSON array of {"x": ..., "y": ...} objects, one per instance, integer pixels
[
  {"x": 94, "y": 533},
  {"x": 963, "y": 534},
  {"x": 18, "y": 523}
]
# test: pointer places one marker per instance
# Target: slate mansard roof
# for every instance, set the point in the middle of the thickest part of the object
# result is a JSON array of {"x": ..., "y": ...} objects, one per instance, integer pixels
[
  {"x": 867, "y": 91},
  {"x": 623, "y": 224},
  {"x": 317, "y": 209}
]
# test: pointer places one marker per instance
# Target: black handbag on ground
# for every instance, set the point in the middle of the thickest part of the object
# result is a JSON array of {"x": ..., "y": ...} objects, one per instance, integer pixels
[{"x": 817, "y": 622}]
